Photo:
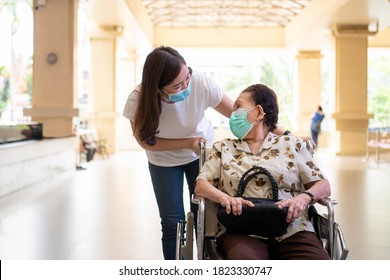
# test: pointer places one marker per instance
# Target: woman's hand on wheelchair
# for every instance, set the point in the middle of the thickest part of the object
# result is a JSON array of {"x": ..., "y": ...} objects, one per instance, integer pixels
[
  {"x": 296, "y": 206},
  {"x": 310, "y": 140},
  {"x": 234, "y": 204},
  {"x": 195, "y": 144}
]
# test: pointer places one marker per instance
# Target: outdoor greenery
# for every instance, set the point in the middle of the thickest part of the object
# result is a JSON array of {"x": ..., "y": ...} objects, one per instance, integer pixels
[
  {"x": 4, "y": 86},
  {"x": 379, "y": 87},
  {"x": 276, "y": 71},
  {"x": 15, "y": 54},
  {"x": 272, "y": 68},
  {"x": 278, "y": 75}
]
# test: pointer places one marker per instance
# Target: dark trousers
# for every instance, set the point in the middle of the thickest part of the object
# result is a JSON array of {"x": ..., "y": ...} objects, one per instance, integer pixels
[
  {"x": 303, "y": 245},
  {"x": 314, "y": 136},
  {"x": 90, "y": 153}
]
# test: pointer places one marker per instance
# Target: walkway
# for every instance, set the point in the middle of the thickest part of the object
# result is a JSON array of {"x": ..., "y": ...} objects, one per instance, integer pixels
[{"x": 108, "y": 211}]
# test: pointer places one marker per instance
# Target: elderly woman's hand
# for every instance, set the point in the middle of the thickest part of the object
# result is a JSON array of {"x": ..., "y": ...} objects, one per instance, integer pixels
[
  {"x": 234, "y": 204},
  {"x": 296, "y": 206}
]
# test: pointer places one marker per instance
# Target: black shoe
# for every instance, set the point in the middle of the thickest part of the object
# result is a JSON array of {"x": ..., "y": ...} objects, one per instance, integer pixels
[{"x": 79, "y": 167}]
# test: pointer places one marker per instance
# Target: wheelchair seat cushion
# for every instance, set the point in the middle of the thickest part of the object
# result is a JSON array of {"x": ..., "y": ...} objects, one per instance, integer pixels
[{"x": 264, "y": 219}]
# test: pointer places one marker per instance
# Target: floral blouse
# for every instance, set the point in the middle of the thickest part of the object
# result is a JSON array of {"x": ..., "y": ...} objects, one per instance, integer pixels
[{"x": 285, "y": 157}]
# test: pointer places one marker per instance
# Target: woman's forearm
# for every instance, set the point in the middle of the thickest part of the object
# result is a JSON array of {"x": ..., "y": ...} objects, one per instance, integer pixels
[
  {"x": 168, "y": 144},
  {"x": 164, "y": 144}
]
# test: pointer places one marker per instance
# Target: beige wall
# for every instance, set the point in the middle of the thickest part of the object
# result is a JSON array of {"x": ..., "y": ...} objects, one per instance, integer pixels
[{"x": 53, "y": 100}]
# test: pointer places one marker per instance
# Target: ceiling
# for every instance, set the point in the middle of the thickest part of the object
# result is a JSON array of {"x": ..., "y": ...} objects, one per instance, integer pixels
[
  {"x": 298, "y": 24},
  {"x": 223, "y": 13}
]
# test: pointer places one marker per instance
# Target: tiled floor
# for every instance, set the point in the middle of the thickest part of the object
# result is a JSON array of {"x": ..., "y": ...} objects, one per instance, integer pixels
[{"x": 108, "y": 211}]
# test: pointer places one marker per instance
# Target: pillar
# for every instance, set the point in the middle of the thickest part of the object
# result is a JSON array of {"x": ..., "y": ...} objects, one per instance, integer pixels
[
  {"x": 309, "y": 89},
  {"x": 55, "y": 42},
  {"x": 103, "y": 114},
  {"x": 128, "y": 78},
  {"x": 351, "y": 118}
]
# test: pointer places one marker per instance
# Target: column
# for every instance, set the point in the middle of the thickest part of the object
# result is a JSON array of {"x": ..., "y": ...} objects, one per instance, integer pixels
[
  {"x": 55, "y": 41},
  {"x": 103, "y": 113},
  {"x": 350, "y": 115},
  {"x": 309, "y": 89},
  {"x": 127, "y": 79}
]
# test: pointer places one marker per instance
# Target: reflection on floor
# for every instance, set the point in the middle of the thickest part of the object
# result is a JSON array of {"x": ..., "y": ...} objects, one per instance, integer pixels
[{"x": 108, "y": 211}]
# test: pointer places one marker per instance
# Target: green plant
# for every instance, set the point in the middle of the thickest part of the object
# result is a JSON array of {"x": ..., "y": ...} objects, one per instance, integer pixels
[
  {"x": 378, "y": 102},
  {"x": 4, "y": 87}
]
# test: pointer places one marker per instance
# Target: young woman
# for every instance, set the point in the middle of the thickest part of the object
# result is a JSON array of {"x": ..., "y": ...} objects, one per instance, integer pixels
[{"x": 167, "y": 115}]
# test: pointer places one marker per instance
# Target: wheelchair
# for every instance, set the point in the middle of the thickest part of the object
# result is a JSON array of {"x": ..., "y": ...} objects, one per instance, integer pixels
[{"x": 327, "y": 230}]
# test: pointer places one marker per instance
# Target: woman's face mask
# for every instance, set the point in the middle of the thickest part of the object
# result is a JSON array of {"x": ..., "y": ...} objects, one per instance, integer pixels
[
  {"x": 239, "y": 125},
  {"x": 180, "y": 96}
]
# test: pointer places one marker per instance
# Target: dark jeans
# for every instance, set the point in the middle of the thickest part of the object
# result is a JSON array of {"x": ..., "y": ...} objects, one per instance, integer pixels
[
  {"x": 303, "y": 245},
  {"x": 90, "y": 153},
  {"x": 168, "y": 189},
  {"x": 314, "y": 135}
]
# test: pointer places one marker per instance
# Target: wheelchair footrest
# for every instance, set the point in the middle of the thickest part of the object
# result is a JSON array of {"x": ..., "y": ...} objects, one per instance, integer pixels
[{"x": 211, "y": 250}]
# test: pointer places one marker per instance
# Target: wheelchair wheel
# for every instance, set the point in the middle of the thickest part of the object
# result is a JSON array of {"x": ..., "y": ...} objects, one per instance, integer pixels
[{"x": 185, "y": 238}]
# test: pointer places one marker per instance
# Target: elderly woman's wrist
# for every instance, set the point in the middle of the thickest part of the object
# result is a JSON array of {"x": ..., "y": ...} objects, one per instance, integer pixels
[{"x": 310, "y": 196}]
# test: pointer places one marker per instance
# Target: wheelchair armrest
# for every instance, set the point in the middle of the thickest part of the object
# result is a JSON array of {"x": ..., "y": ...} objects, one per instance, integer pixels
[
  {"x": 343, "y": 250},
  {"x": 206, "y": 238},
  {"x": 328, "y": 203},
  {"x": 335, "y": 232},
  {"x": 200, "y": 201},
  {"x": 197, "y": 199},
  {"x": 327, "y": 200}
]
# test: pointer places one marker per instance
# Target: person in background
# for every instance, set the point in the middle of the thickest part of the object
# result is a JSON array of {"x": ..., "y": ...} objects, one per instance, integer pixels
[
  {"x": 89, "y": 146},
  {"x": 315, "y": 126}
]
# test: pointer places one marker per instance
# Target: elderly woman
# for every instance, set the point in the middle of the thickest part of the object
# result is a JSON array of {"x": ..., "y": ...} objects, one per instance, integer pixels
[{"x": 300, "y": 181}]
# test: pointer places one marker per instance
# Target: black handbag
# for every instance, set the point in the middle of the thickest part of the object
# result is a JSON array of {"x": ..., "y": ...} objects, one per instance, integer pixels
[{"x": 265, "y": 218}]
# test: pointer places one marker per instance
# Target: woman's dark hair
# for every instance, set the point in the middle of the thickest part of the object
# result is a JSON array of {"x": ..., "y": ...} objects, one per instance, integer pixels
[
  {"x": 161, "y": 67},
  {"x": 266, "y": 98}
]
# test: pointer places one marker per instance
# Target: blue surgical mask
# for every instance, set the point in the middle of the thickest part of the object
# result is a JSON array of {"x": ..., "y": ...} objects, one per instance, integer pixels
[
  {"x": 180, "y": 96},
  {"x": 239, "y": 125}
]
